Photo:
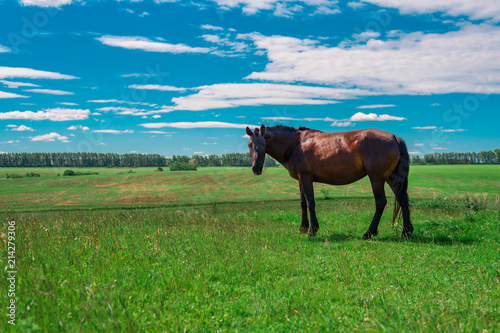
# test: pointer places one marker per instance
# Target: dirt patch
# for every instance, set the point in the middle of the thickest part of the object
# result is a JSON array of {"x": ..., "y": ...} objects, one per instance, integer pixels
[
  {"x": 142, "y": 200},
  {"x": 68, "y": 203}
]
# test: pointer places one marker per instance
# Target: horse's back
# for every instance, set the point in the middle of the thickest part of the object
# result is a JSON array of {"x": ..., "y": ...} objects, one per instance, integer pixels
[{"x": 345, "y": 157}]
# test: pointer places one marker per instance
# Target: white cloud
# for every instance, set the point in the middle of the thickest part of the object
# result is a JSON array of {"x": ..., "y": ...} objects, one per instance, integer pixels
[
  {"x": 454, "y": 130},
  {"x": 136, "y": 75},
  {"x": 283, "y": 8},
  {"x": 360, "y": 116},
  {"x": 424, "y": 127},
  {"x": 198, "y": 124},
  {"x": 220, "y": 96},
  {"x": 156, "y": 116},
  {"x": 229, "y": 47},
  {"x": 415, "y": 63},
  {"x": 155, "y": 132},
  {"x": 375, "y": 106},
  {"x": 22, "y": 128},
  {"x": 339, "y": 123},
  {"x": 45, "y": 3},
  {"x": 55, "y": 114},
  {"x": 119, "y": 109},
  {"x": 50, "y": 137},
  {"x": 10, "y": 95},
  {"x": 67, "y": 103},
  {"x": 12, "y": 84},
  {"x": 476, "y": 10},
  {"x": 120, "y": 102},
  {"x": 145, "y": 44},
  {"x": 110, "y": 131},
  {"x": 4, "y": 49},
  {"x": 210, "y": 27},
  {"x": 76, "y": 127},
  {"x": 50, "y": 91},
  {"x": 366, "y": 35},
  {"x": 355, "y": 5},
  {"x": 155, "y": 87},
  {"x": 28, "y": 73}
]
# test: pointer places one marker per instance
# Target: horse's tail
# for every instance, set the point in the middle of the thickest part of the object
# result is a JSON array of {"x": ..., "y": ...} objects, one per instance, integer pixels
[{"x": 399, "y": 180}]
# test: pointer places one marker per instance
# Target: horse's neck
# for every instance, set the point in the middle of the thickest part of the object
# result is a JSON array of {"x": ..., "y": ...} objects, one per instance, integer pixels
[{"x": 277, "y": 147}]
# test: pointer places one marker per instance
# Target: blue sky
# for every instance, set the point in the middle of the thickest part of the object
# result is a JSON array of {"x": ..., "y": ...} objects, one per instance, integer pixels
[{"x": 186, "y": 77}]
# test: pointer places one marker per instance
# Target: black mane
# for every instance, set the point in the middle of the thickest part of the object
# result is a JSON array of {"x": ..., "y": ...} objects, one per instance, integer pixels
[{"x": 283, "y": 128}]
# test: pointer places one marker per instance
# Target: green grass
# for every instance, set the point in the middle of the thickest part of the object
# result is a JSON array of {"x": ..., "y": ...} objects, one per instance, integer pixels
[
  {"x": 232, "y": 260},
  {"x": 148, "y": 187}
]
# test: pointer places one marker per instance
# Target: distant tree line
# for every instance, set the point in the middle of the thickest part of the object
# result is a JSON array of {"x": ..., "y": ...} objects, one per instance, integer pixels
[
  {"x": 483, "y": 157},
  {"x": 123, "y": 160}
]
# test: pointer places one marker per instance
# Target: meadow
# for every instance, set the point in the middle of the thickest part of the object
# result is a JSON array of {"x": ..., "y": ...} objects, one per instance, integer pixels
[{"x": 218, "y": 249}]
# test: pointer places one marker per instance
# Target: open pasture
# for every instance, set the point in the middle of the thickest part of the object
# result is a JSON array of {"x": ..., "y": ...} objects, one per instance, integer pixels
[
  {"x": 218, "y": 250},
  {"x": 116, "y": 187}
]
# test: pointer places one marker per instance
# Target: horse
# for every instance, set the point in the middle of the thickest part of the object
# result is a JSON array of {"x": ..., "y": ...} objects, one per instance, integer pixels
[{"x": 340, "y": 158}]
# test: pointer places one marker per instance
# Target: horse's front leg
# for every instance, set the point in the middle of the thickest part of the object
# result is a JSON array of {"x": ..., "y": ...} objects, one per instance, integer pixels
[
  {"x": 306, "y": 184},
  {"x": 304, "y": 226}
]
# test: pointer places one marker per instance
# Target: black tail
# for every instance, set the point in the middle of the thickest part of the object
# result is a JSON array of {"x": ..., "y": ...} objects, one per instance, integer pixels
[{"x": 399, "y": 179}]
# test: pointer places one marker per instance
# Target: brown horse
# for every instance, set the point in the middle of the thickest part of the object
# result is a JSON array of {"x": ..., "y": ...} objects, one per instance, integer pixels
[{"x": 337, "y": 158}]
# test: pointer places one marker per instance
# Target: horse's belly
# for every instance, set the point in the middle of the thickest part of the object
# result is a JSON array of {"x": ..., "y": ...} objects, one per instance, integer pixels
[
  {"x": 340, "y": 179},
  {"x": 340, "y": 174}
]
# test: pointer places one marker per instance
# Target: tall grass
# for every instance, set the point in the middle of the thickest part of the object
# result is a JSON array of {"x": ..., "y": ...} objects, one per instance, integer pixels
[{"x": 245, "y": 268}]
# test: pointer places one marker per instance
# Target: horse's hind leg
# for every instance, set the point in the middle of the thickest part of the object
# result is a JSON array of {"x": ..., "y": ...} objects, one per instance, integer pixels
[
  {"x": 403, "y": 202},
  {"x": 304, "y": 226},
  {"x": 380, "y": 202}
]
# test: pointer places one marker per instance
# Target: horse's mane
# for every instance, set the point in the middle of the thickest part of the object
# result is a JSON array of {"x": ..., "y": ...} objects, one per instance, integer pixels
[{"x": 283, "y": 128}]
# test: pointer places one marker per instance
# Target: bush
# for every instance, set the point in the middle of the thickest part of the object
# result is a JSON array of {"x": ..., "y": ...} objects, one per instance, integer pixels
[
  {"x": 182, "y": 166},
  {"x": 125, "y": 172},
  {"x": 160, "y": 169},
  {"x": 79, "y": 173},
  {"x": 32, "y": 174},
  {"x": 14, "y": 175}
]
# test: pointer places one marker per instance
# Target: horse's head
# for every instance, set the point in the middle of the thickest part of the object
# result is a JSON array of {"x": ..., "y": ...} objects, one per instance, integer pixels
[{"x": 257, "y": 146}]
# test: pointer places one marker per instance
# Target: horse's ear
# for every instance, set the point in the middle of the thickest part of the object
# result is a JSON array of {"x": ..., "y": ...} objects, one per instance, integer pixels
[
  {"x": 249, "y": 131},
  {"x": 262, "y": 129}
]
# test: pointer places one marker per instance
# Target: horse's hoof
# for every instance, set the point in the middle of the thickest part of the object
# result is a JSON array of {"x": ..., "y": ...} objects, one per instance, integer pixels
[
  {"x": 312, "y": 232},
  {"x": 368, "y": 235},
  {"x": 406, "y": 235},
  {"x": 303, "y": 230}
]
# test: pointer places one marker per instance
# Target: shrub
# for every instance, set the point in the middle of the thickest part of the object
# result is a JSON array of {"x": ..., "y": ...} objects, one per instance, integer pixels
[
  {"x": 182, "y": 166},
  {"x": 160, "y": 169},
  {"x": 125, "y": 172},
  {"x": 32, "y": 174},
  {"x": 14, "y": 175},
  {"x": 472, "y": 205},
  {"x": 79, "y": 173}
]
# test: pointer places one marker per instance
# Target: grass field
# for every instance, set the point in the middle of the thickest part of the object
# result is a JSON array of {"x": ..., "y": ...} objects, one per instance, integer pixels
[{"x": 218, "y": 250}]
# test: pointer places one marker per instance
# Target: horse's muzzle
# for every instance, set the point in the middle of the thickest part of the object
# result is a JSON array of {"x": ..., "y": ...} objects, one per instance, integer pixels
[{"x": 257, "y": 171}]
